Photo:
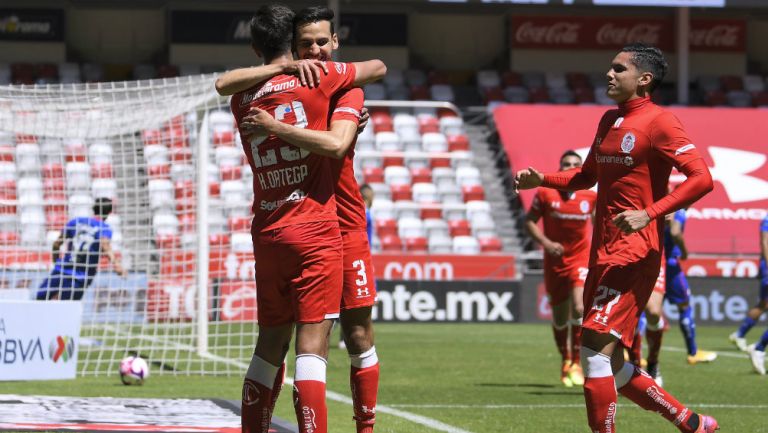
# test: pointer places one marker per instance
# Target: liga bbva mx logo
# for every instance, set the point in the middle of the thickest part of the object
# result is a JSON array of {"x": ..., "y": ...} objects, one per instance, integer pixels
[{"x": 62, "y": 347}]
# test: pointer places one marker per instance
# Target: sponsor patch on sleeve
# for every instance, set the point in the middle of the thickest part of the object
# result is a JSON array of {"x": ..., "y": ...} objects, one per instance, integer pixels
[
  {"x": 684, "y": 149},
  {"x": 349, "y": 110}
]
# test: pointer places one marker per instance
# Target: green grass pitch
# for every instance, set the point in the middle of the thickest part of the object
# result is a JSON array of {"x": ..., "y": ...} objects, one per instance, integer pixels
[{"x": 482, "y": 378}]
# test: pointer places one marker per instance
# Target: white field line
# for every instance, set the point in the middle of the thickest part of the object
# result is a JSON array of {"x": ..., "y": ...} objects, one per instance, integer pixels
[
  {"x": 563, "y": 406},
  {"x": 734, "y": 354}
]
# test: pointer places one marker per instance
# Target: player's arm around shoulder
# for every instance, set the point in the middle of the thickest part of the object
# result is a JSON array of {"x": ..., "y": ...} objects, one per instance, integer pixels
[
  {"x": 369, "y": 72},
  {"x": 242, "y": 79}
]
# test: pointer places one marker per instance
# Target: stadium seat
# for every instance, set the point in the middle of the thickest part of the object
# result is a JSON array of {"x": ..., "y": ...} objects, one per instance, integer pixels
[
  {"x": 100, "y": 153},
  {"x": 381, "y": 120},
  {"x": 708, "y": 83},
  {"x": 539, "y": 95},
  {"x": 220, "y": 120},
  {"x": 457, "y": 143},
  {"x": 425, "y": 192},
  {"x": 387, "y": 141},
  {"x": 443, "y": 176},
  {"x": 161, "y": 194},
  {"x": 459, "y": 227},
  {"x": 151, "y": 137},
  {"x": 380, "y": 190},
  {"x": 729, "y": 83},
  {"x": 181, "y": 155},
  {"x": 440, "y": 244},
  {"x": 391, "y": 243},
  {"x": 105, "y": 188},
  {"x": 715, "y": 98},
  {"x": 488, "y": 78},
  {"x": 78, "y": 176},
  {"x": 760, "y": 99},
  {"x": 167, "y": 241},
  {"x": 534, "y": 80},
  {"x": 80, "y": 205},
  {"x": 511, "y": 78},
  {"x": 144, "y": 72},
  {"x": 156, "y": 154},
  {"x": 405, "y": 208},
  {"x": 28, "y": 158},
  {"x": 556, "y": 80},
  {"x": 561, "y": 96},
  {"x": 397, "y": 175},
  {"x": 394, "y": 78},
  {"x": 190, "y": 69},
  {"x": 231, "y": 172},
  {"x": 434, "y": 142},
  {"x": 177, "y": 137},
  {"x": 218, "y": 240},
  {"x": 477, "y": 207},
  {"x": 56, "y": 220},
  {"x": 430, "y": 210},
  {"x": 182, "y": 172},
  {"x": 465, "y": 245},
  {"x": 8, "y": 238},
  {"x": 421, "y": 174},
  {"x": 449, "y": 193},
  {"x": 583, "y": 95},
  {"x": 167, "y": 71},
  {"x": 492, "y": 95},
  {"x": 410, "y": 227},
  {"x": 451, "y": 125},
  {"x": 436, "y": 226},
  {"x": 419, "y": 93},
  {"x": 366, "y": 140},
  {"x": 7, "y": 190},
  {"x": 467, "y": 176},
  {"x": 385, "y": 227},
  {"x": 7, "y": 152},
  {"x": 401, "y": 192},
  {"x": 223, "y": 138},
  {"x": 105, "y": 171},
  {"x": 375, "y": 92},
  {"x": 754, "y": 83},
  {"x": 7, "y": 171},
  {"x": 416, "y": 245},
  {"x": 165, "y": 224},
  {"x": 417, "y": 161},
  {"x": 75, "y": 151},
  {"x": 739, "y": 98},
  {"x": 54, "y": 189},
  {"x": 382, "y": 209},
  {"x": 186, "y": 205},
  {"x": 411, "y": 140},
  {"x": 415, "y": 77},
  {"x": 428, "y": 123},
  {"x": 483, "y": 226},
  {"x": 490, "y": 245},
  {"x": 405, "y": 122},
  {"x": 241, "y": 242},
  {"x": 601, "y": 97},
  {"x": 373, "y": 174},
  {"x": 440, "y": 161},
  {"x": 229, "y": 156},
  {"x": 442, "y": 92},
  {"x": 239, "y": 224},
  {"x": 577, "y": 80},
  {"x": 472, "y": 193}
]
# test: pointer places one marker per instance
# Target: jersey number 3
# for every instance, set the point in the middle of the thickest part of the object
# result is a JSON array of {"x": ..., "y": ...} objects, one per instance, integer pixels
[{"x": 287, "y": 153}]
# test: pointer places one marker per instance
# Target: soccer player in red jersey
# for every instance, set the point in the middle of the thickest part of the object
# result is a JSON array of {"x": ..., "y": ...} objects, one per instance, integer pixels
[
  {"x": 655, "y": 326},
  {"x": 631, "y": 158},
  {"x": 565, "y": 240},
  {"x": 295, "y": 227}
]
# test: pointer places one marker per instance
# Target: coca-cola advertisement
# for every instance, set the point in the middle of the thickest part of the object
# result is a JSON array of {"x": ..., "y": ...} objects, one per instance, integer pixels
[{"x": 615, "y": 32}]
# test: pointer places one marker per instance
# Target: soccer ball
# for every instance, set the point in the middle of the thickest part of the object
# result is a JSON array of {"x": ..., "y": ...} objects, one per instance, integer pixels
[{"x": 133, "y": 370}]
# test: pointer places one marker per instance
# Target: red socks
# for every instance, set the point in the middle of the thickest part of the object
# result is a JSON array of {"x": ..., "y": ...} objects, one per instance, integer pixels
[
  {"x": 599, "y": 391},
  {"x": 636, "y": 352},
  {"x": 309, "y": 394},
  {"x": 644, "y": 391},
  {"x": 257, "y": 400},
  {"x": 277, "y": 387},
  {"x": 576, "y": 341},
  {"x": 654, "y": 335},
  {"x": 364, "y": 382},
  {"x": 561, "y": 340}
]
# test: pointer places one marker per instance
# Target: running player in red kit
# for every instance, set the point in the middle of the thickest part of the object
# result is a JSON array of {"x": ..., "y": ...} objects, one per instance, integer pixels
[
  {"x": 295, "y": 228},
  {"x": 566, "y": 254},
  {"x": 631, "y": 158},
  {"x": 316, "y": 39}
]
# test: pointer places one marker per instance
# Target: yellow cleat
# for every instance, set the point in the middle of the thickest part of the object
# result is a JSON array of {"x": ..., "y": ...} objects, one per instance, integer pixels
[
  {"x": 576, "y": 374},
  {"x": 565, "y": 374},
  {"x": 702, "y": 356}
]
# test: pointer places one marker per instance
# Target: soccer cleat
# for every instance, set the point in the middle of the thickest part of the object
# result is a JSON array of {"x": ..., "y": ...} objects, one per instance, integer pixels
[
  {"x": 739, "y": 342},
  {"x": 758, "y": 359},
  {"x": 564, "y": 374},
  {"x": 702, "y": 356},
  {"x": 707, "y": 424},
  {"x": 576, "y": 374}
]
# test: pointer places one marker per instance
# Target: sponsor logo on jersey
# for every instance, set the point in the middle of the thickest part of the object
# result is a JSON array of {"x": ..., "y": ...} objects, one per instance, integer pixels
[
  {"x": 267, "y": 89},
  {"x": 628, "y": 142},
  {"x": 618, "y": 122},
  {"x": 349, "y": 110},
  {"x": 615, "y": 159}
]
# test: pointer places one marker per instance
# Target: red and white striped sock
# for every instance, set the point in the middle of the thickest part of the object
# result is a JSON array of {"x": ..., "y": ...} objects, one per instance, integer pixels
[
  {"x": 599, "y": 391},
  {"x": 364, "y": 382},
  {"x": 309, "y": 394},
  {"x": 256, "y": 405}
]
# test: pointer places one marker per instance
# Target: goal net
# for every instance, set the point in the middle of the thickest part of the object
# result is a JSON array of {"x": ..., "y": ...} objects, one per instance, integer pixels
[{"x": 166, "y": 152}]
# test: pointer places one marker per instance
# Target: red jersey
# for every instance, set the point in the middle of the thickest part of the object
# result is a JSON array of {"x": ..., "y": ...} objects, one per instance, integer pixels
[
  {"x": 566, "y": 218},
  {"x": 291, "y": 185},
  {"x": 634, "y": 151},
  {"x": 350, "y": 207}
]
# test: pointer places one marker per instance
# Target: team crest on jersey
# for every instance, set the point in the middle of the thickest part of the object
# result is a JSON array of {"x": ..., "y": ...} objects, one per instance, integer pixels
[
  {"x": 584, "y": 206},
  {"x": 618, "y": 122},
  {"x": 628, "y": 142}
]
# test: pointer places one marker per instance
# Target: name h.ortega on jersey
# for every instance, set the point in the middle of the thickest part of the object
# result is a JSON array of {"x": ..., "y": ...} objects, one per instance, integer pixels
[{"x": 281, "y": 177}]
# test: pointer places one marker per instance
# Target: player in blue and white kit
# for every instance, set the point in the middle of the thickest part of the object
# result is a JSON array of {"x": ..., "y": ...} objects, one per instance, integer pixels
[
  {"x": 739, "y": 337},
  {"x": 678, "y": 291},
  {"x": 85, "y": 239}
]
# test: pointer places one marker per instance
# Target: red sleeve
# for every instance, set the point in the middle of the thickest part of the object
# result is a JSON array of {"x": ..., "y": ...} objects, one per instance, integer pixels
[
  {"x": 340, "y": 76},
  {"x": 671, "y": 142},
  {"x": 536, "y": 203},
  {"x": 348, "y": 105}
]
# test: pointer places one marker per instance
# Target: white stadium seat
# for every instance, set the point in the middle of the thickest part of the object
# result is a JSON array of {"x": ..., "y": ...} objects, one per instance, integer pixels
[
  {"x": 434, "y": 142},
  {"x": 182, "y": 172},
  {"x": 165, "y": 224},
  {"x": 404, "y": 123},
  {"x": 483, "y": 226},
  {"x": 7, "y": 171},
  {"x": 516, "y": 94},
  {"x": 232, "y": 192},
  {"x": 556, "y": 80},
  {"x": 28, "y": 158},
  {"x": 415, "y": 161},
  {"x": 410, "y": 227},
  {"x": 477, "y": 207},
  {"x": 488, "y": 78},
  {"x": 754, "y": 83},
  {"x": 425, "y": 193},
  {"x": 100, "y": 153},
  {"x": 78, "y": 176},
  {"x": 161, "y": 194},
  {"x": 466, "y": 245},
  {"x": 397, "y": 175},
  {"x": 451, "y": 125},
  {"x": 104, "y": 188},
  {"x": 454, "y": 211},
  {"x": 156, "y": 154},
  {"x": 405, "y": 208},
  {"x": 381, "y": 191},
  {"x": 394, "y": 78},
  {"x": 443, "y": 176},
  {"x": 442, "y": 92},
  {"x": 229, "y": 156},
  {"x": 411, "y": 140},
  {"x": 241, "y": 243},
  {"x": 415, "y": 77},
  {"x": 80, "y": 205},
  {"x": 440, "y": 244},
  {"x": 467, "y": 176},
  {"x": 449, "y": 193},
  {"x": 382, "y": 208},
  {"x": 388, "y": 141},
  {"x": 436, "y": 227},
  {"x": 220, "y": 120}
]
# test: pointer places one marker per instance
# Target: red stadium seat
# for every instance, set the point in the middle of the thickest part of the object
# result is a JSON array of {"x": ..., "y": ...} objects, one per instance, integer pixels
[
  {"x": 104, "y": 171},
  {"x": 232, "y": 172},
  {"x": 440, "y": 162},
  {"x": 421, "y": 175},
  {"x": 8, "y": 208},
  {"x": 418, "y": 244},
  {"x": 458, "y": 143},
  {"x": 577, "y": 80},
  {"x": 26, "y": 138},
  {"x": 459, "y": 228},
  {"x": 188, "y": 221},
  {"x": 428, "y": 124},
  {"x": 177, "y": 264},
  {"x": 382, "y": 121},
  {"x": 431, "y": 211},
  {"x": 760, "y": 99},
  {"x": 168, "y": 242},
  {"x": 176, "y": 122},
  {"x": 53, "y": 170},
  {"x": 219, "y": 240},
  {"x": 401, "y": 192},
  {"x": 446, "y": 112},
  {"x": 389, "y": 160},
  {"x": 437, "y": 77},
  {"x": 490, "y": 245},
  {"x": 715, "y": 98},
  {"x": 55, "y": 220},
  {"x": 420, "y": 93},
  {"x": 239, "y": 224},
  {"x": 391, "y": 243},
  {"x": 583, "y": 95},
  {"x": 7, "y": 154},
  {"x": 214, "y": 189},
  {"x": 160, "y": 171},
  {"x": 385, "y": 227},
  {"x": 539, "y": 96},
  {"x": 151, "y": 136},
  {"x": 188, "y": 204},
  {"x": 472, "y": 192},
  {"x": 181, "y": 155},
  {"x": 167, "y": 71},
  {"x": 511, "y": 78},
  {"x": 223, "y": 138},
  {"x": 493, "y": 94},
  {"x": 177, "y": 137},
  {"x": 8, "y": 239},
  {"x": 8, "y": 190},
  {"x": 48, "y": 70},
  {"x": 731, "y": 82},
  {"x": 373, "y": 175},
  {"x": 52, "y": 207},
  {"x": 184, "y": 189}
]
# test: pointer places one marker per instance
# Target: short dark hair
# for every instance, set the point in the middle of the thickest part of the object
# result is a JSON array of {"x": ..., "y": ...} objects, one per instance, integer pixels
[
  {"x": 365, "y": 186},
  {"x": 102, "y": 206},
  {"x": 272, "y": 30},
  {"x": 570, "y": 152},
  {"x": 313, "y": 14},
  {"x": 648, "y": 58}
]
